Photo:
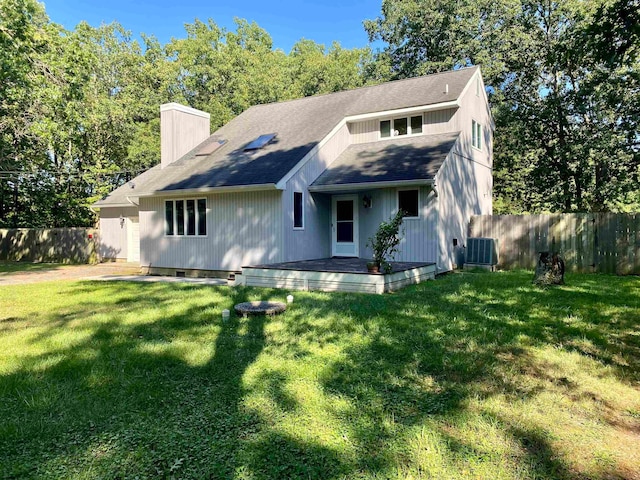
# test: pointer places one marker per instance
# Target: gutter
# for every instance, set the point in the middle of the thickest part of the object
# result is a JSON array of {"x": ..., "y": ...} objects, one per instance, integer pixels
[
  {"x": 192, "y": 191},
  {"x": 370, "y": 185}
]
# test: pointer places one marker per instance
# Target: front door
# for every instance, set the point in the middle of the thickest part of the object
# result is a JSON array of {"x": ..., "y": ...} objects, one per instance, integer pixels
[{"x": 344, "y": 226}]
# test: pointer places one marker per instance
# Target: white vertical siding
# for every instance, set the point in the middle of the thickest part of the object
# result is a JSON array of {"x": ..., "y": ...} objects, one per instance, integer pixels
[
  {"x": 113, "y": 234},
  {"x": 465, "y": 181},
  {"x": 364, "y": 132},
  {"x": 440, "y": 121},
  {"x": 419, "y": 242},
  {"x": 181, "y": 129},
  {"x": 315, "y": 240},
  {"x": 242, "y": 229}
]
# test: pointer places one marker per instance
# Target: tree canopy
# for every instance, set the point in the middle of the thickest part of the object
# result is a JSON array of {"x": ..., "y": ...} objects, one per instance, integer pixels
[
  {"x": 563, "y": 83},
  {"x": 79, "y": 109}
]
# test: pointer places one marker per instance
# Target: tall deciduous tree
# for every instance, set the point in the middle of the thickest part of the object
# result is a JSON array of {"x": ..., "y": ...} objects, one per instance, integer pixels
[{"x": 566, "y": 139}]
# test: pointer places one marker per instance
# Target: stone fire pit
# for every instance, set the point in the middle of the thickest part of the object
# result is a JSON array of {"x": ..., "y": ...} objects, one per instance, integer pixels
[{"x": 259, "y": 308}]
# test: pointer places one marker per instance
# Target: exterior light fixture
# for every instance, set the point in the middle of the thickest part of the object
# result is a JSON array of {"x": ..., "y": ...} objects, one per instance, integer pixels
[{"x": 366, "y": 201}]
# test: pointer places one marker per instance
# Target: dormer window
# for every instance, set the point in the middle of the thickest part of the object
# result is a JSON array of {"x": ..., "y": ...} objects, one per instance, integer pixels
[{"x": 400, "y": 126}]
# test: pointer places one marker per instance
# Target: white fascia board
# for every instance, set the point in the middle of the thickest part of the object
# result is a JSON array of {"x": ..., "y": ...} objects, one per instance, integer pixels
[
  {"x": 184, "y": 109},
  {"x": 135, "y": 201},
  {"x": 484, "y": 95},
  {"x": 282, "y": 184},
  {"x": 197, "y": 191},
  {"x": 370, "y": 185},
  {"x": 95, "y": 207},
  {"x": 403, "y": 111}
]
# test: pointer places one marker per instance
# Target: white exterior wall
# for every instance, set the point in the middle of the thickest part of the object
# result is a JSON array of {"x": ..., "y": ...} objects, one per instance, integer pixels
[
  {"x": 181, "y": 129},
  {"x": 243, "y": 228},
  {"x": 465, "y": 181},
  {"x": 420, "y": 240},
  {"x": 433, "y": 122},
  {"x": 314, "y": 241},
  {"x": 113, "y": 235}
]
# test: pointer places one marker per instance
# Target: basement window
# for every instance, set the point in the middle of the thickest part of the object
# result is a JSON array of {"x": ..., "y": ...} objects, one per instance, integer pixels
[{"x": 185, "y": 217}]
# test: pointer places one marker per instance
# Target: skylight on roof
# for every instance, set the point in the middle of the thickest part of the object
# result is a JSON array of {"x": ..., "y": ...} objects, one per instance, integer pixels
[
  {"x": 210, "y": 148},
  {"x": 260, "y": 142}
]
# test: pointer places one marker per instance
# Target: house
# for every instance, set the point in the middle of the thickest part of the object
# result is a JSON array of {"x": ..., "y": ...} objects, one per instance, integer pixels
[{"x": 310, "y": 179}]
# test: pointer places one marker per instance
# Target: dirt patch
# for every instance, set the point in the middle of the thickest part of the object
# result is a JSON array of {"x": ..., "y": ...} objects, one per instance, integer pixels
[{"x": 67, "y": 272}]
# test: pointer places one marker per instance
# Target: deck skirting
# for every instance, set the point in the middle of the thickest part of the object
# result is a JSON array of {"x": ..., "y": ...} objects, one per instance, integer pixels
[{"x": 335, "y": 281}]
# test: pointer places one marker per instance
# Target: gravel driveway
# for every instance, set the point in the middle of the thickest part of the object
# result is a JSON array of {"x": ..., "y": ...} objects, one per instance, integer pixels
[{"x": 67, "y": 272}]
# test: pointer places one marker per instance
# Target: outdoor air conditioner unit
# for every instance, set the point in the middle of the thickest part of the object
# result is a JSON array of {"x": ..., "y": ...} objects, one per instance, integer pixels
[{"x": 482, "y": 253}]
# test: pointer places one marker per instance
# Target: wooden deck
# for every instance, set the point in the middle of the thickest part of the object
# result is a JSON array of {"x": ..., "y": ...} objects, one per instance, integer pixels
[{"x": 336, "y": 274}]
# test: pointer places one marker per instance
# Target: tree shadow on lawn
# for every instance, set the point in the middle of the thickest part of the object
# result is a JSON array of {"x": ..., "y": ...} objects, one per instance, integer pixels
[
  {"x": 132, "y": 399},
  {"x": 430, "y": 348},
  {"x": 121, "y": 403}
]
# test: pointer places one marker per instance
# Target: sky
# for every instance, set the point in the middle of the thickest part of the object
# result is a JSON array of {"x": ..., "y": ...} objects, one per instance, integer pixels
[{"x": 287, "y": 21}]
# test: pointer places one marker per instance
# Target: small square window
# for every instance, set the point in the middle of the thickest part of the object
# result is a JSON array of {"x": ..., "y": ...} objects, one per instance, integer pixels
[
  {"x": 400, "y": 126},
  {"x": 408, "y": 201},
  {"x": 298, "y": 209}
]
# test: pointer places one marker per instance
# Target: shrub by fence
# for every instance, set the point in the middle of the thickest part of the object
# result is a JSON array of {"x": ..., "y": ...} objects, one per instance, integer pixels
[
  {"x": 601, "y": 242},
  {"x": 61, "y": 245}
]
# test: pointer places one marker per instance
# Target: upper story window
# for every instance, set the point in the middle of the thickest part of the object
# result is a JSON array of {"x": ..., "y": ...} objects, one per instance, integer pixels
[
  {"x": 400, "y": 126},
  {"x": 476, "y": 135},
  {"x": 185, "y": 217},
  {"x": 298, "y": 211}
]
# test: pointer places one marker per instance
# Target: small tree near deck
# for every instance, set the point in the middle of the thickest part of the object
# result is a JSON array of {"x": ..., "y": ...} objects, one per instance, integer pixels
[{"x": 385, "y": 241}]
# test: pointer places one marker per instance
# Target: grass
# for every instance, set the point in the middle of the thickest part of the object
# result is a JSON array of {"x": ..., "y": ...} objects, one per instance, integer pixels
[{"x": 475, "y": 375}]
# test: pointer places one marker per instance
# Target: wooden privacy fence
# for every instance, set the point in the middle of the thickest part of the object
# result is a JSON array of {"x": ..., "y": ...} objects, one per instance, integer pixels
[
  {"x": 63, "y": 245},
  {"x": 601, "y": 242}
]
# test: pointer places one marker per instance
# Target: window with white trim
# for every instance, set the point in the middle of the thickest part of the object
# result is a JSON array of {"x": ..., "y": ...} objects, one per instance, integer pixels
[
  {"x": 298, "y": 210},
  {"x": 185, "y": 217},
  {"x": 408, "y": 200},
  {"x": 400, "y": 126},
  {"x": 476, "y": 135}
]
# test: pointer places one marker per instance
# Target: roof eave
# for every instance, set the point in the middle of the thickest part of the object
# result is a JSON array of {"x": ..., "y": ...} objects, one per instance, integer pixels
[
  {"x": 197, "y": 191},
  {"x": 371, "y": 185}
]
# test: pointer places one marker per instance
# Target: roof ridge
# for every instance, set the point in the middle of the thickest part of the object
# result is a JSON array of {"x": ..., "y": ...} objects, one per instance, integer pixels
[{"x": 448, "y": 72}]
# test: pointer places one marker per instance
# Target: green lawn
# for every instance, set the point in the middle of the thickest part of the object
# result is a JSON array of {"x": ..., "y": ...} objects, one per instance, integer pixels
[{"x": 474, "y": 375}]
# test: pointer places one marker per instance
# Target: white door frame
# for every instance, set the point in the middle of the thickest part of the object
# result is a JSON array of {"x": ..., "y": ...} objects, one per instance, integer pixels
[{"x": 345, "y": 249}]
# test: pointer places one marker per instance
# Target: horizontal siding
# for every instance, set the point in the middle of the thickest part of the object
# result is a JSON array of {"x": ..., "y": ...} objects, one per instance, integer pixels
[
  {"x": 243, "y": 229},
  {"x": 113, "y": 236}
]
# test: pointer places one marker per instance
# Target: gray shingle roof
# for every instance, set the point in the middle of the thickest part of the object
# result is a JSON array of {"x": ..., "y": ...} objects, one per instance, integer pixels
[
  {"x": 399, "y": 159},
  {"x": 300, "y": 125}
]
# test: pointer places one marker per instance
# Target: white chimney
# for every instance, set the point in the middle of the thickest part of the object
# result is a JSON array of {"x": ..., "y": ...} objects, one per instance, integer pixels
[{"x": 181, "y": 129}]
